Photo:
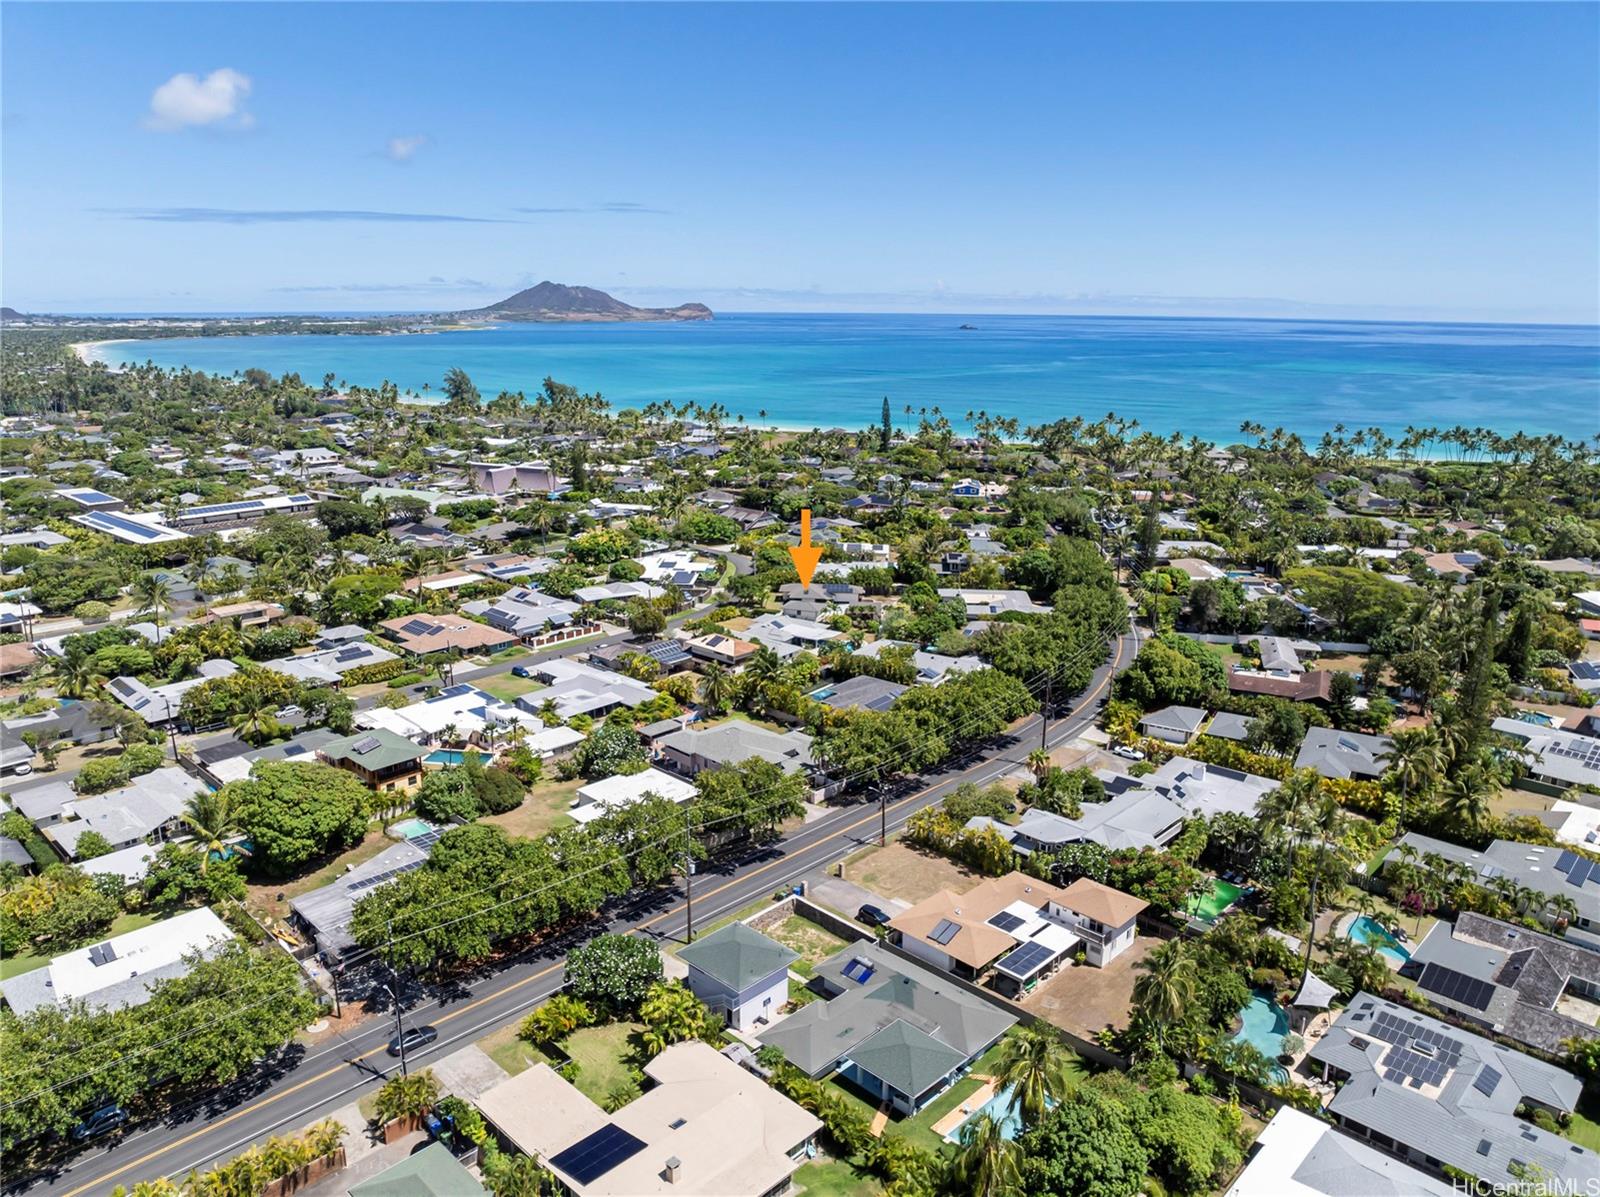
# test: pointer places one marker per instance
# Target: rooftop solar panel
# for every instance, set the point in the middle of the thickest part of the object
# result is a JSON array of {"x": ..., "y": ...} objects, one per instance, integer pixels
[
  {"x": 111, "y": 519},
  {"x": 1026, "y": 960},
  {"x": 1565, "y": 861},
  {"x": 592, "y": 1156},
  {"x": 944, "y": 932},
  {"x": 365, "y": 744},
  {"x": 1006, "y": 921},
  {"x": 1486, "y": 1081},
  {"x": 387, "y": 875},
  {"x": 860, "y": 971}
]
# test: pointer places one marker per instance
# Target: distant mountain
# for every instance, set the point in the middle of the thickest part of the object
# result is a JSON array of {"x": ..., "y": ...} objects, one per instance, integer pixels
[
  {"x": 11, "y": 314},
  {"x": 558, "y": 303}
]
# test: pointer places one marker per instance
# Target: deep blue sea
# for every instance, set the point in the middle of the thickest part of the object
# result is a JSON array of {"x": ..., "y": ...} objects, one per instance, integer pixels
[{"x": 1198, "y": 377}]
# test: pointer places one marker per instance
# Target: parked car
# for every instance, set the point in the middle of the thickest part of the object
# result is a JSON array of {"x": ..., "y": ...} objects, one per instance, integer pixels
[
  {"x": 873, "y": 916},
  {"x": 104, "y": 1121},
  {"x": 1126, "y": 753},
  {"x": 416, "y": 1037},
  {"x": 521, "y": 671}
]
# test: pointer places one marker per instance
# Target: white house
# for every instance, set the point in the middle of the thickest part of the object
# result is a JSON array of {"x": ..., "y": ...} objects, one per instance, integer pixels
[
  {"x": 740, "y": 974},
  {"x": 612, "y": 793}
]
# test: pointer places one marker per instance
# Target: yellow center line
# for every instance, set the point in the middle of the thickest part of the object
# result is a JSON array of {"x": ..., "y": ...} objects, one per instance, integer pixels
[{"x": 515, "y": 985}]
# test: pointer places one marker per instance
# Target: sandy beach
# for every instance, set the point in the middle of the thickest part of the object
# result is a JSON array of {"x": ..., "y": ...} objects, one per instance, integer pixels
[{"x": 86, "y": 350}]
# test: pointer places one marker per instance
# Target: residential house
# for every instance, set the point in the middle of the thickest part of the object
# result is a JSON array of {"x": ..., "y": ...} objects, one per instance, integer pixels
[
  {"x": 579, "y": 689},
  {"x": 931, "y": 668},
  {"x": 624, "y": 789},
  {"x": 324, "y": 914},
  {"x": 986, "y": 604},
  {"x": 1298, "y": 1155},
  {"x": 1174, "y": 724},
  {"x": 669, "y": 655},
  {"x": 1550, "y": 869},
  {"x": 429, "y": 1172},
  {"x": 899, "y": 1032},
  {"x": 497, "y": 478},
  {"x": 740, "y": 974},
  {"x": 1134, "y": 818},
  {"x": 1343, "y": 754},
  {"x": 724, "y": 650},
  {"x": 1558, "y": 758},
  {"x": 787, "y": 636},
  {"x": 1314, "y": 685},
  {"x": 151, "y": 804},
  {"x": 382, "y": 759},
  {"x": 119, "y": 972},
  {"x": 525, "y": 613},
  {"x": 676, "y": 567},
  {"x": 862, "y": 692},
  {"x": 692, "y": 750},
  {"x": 130, "y": 528},
  {"x": 1439, "y": 1097},
  {"x": 1517, "y": 983},
  {"x": 703, "y": 1125},
  {"x": 209, "y": 517},
  {"x": 421, "y": 635}
]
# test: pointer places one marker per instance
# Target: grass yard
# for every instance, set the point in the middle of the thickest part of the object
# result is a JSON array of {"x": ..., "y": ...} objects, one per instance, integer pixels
[
  {"x": 799, "y": 995},
  {"x": 835, "y": 1178},
  {"x": 901, "y": 871},
  {"x": 602, "y": 1055},
  {"x": 544, "y": 809},
  {"x": 265, "y": 896},
  {"x": 814, "y": 943},
  {"x": 1585, "y": 1128},
  {"x": 26, "y": 962},
  {"x": 508, "y": 686},
  {"x": 507, "y": 1050}
]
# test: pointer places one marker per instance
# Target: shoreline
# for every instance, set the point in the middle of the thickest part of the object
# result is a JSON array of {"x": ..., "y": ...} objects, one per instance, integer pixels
[{"x": 88, "y": 355}]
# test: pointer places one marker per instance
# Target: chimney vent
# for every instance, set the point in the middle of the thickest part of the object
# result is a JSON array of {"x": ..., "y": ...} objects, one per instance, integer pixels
[{"x": 674, "y": 1166}]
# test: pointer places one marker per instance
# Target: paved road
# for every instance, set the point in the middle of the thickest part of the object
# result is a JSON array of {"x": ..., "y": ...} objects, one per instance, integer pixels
[{"x": 335, "y": 1072}]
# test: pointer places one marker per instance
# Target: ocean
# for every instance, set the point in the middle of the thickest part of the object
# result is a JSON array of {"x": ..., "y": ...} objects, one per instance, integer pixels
[{"x": 1197, "y": 377}]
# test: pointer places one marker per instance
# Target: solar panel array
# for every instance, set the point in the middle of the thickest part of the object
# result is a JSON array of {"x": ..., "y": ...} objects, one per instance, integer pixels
[
  {"x": 592, "y": 1156},
  {"x": 427, "y": 839},
  {"x": 418, "y": 627},
  {"x": 1413, "y": 1068},
  {"x": 1026, "y": 960},
  {"x": 89, "y": 495},
  {"x": 102, "y": 953},
  {"x": 1587, "y": 670},
  {"x": 365, "y": 744},
  {"x": 1486, "y": 1081},
  {"x": 1391, "y": 1029},
  {"x": 1585, "y": 751},
  {"x": 354, "y": 652},
  {"x": 387, "y": 875},
  {"x": 944, "y": 932},
  {"x": 1456, "y": 986},
  {"x": 224, "y": 508},
  {"x": 1006, "y": 921},
  {"x": 131, "y": 527},
  {"x": 860, "y": 971}
]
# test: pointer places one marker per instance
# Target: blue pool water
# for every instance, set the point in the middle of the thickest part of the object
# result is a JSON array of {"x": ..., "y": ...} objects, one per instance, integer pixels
[
  {"x": 1265, "y": 1025},
  {"x": 449, "y": 756},
  {"x": 1201, "y": 377},
  {"x": 1369, "y": 931},
  {"x": 412, "y": 828},
  {"x": 999, "y": 1108}
]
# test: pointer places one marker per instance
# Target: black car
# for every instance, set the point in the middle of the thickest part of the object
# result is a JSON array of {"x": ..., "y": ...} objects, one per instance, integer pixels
[
  {"x": 416, "y": 1037},
  {"x": 873, "y": 916},
  {"x": 103, "y": 1121}
]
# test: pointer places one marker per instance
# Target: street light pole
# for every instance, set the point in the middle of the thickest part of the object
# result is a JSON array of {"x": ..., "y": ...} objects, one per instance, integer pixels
[{"x": 394, "y": 993}]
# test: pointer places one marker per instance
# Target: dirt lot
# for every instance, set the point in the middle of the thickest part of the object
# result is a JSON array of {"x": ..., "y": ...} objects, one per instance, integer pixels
[
  {"x": 1084, "y": 999},
  {"x": 1511, "y": 801},
  {"x": 814, "y": 943},
  {"x": 265, "y": 897},
  {"x": 901, "y": 871}
]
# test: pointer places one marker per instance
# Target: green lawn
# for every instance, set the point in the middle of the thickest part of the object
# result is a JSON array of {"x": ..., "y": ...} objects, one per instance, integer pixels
[
  {"x": 544, "y": 809},
  {"x": 835, "y": 1178},
  {"x": 602, "y": 1055},
  {"x": 702, "y": 929},
  {"x": 508, "y": 686},
  {"x": 26, "y": 962},
  {"x": 1585, "y": 1130},
  {"x": 510, "y": 1052},
  {"x": 815, "y": 943}
]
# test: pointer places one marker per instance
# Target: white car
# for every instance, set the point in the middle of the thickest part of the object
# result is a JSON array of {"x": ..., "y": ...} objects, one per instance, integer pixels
[{"x": 1126, "y": 753}]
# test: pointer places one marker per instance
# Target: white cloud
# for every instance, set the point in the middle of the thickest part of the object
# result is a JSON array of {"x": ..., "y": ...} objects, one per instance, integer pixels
[
  {"x": 403, "y": 149},
  {"x": 188, "y": 101}
]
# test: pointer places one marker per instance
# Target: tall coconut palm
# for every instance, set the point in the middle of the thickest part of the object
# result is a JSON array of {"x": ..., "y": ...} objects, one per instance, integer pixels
[
  {"x": 1034, "y": 1066},
  {"x": 1165, "y": 986},
  {"x": 153, "y": 593},
  {"x": 1467, "y": 795},
  {"x": 76, "y": 677},
  {"x": 255, "y": 725},
  {"x": 1413, "y": 762},
  {"x": 989, "y": 1164},
  {"x": 212, "y": 818},
  {"x": 716, "y": 687},
  {"x": 1325, "y": 825}
]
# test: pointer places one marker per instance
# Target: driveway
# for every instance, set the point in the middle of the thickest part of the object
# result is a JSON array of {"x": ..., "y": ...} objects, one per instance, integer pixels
[
  {"x": 1085, "y": 1000},
  {"x": 847, "y": 897}
]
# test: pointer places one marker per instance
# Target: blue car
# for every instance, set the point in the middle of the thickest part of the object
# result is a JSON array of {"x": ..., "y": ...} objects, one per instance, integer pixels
[{"x": 521, "y": 671}]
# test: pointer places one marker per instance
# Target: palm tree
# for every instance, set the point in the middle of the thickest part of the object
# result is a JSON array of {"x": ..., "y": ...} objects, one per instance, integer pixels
[
  {"x": 1413, "y": 761},
  {"x": 989, "y": 1164},
  {"x": 1165, "y": 987},
  {"x": 210, "y": 815},
  {"x": 1467, "y": 796},
  {"x": 716, "y": 687},
  {"x": 255, "y": 725},
  {"x": 154, "y": 595},
  {"x": 1325, "y": 823},
  {"x": 76, "y": 677},
  {"x": 1033, "y": 1064},
  {"x": 1038, "y": 763}
]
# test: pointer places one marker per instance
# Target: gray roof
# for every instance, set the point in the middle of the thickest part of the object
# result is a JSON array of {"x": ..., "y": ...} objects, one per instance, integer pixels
[
  {"x": 906, "y": 1058},
  {"x": 128, "y": 813},
  {"x": 1228, "y": 726},
  {"x": 44, "y": 801},
  {"x": 1209, "y": 790},
  {"x": 738, "y": 956},
  {"x": 816, "y": 1037},
  {"x": 1176, "y": 718},
  {"x": 11, "y": 852},
  {"x": 863, "y": 691},
  {"x": 1466, "y": 1117},
  {"x": 327, "y": 910},
  {"x": 1335, "y": 753},
  {"x": 735, "y": 741},
  {"x": 1548, "y": 869},
  {"x": 1137, "y": 818}
]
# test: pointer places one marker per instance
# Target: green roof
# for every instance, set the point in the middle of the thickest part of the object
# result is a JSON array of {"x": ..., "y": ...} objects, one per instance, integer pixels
[
  {"x": 738, "y": 956},
  {"x": 431, "y": 1172},
  {"x": 907, "y": 1059},
  {"x": 390, "y": 749}
]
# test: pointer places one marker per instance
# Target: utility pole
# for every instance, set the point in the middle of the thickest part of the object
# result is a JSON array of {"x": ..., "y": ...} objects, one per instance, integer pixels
[
  {"x": 1044, "y": 715},
  {"x": 394, "y": 992},
  {"x": 883, "y": 813},
  {"x": 688, "y": 868}
]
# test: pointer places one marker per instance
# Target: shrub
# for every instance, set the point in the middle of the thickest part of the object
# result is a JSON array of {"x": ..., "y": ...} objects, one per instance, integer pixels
[
  {"x": 92, "y": 844},
  {"x": 96, "y": 777},
  {"x": 615, "y": 970},
  {"x": 93, "y": 611},
  {"x": 382, "y": 671},
  {"x": 142, "y": 758},
  {"x": 555, "y": 1020}
]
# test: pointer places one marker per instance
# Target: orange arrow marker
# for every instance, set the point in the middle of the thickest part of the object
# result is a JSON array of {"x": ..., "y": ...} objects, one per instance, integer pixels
[{"x": 805, "y": 554}]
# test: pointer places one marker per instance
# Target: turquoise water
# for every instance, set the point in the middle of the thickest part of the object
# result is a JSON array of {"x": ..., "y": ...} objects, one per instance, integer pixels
[
  {"x": 449, "y": 756},
  {"x": 412, "y": 828},
  {"x": 1199, "y": 377},
  {"x": 999, "y": 1108},
  {"x": 1367, "y": 930},
  {"x": 1265, "y": 1025}
]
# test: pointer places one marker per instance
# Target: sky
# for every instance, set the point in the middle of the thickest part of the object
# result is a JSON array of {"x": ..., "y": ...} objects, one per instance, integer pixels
[{"x": 1386, "y": 161}]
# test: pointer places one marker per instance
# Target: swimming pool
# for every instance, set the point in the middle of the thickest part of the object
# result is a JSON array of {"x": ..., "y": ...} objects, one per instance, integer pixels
[
  {"x": 1265, "y": 1025},
  {"x": 1210, "y": 905},
  {"x": 412, "y": 828},
  {"x": 1368, "y": 930},
  {"x": 999, "y": 1108},
  {"x": 450, "y": 756}
]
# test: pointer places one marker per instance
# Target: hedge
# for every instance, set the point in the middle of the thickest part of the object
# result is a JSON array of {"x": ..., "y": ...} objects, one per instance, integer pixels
[{"x": 380, "y": 671}]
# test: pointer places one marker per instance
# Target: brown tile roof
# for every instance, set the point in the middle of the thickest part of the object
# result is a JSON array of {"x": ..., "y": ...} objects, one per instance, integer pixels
[
  {"x": 17, "y": 658},
  {"x": 975, "y": 942},
  {"x": 1315, "y": 685},
  {"x": 1102, "y": 903}
]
